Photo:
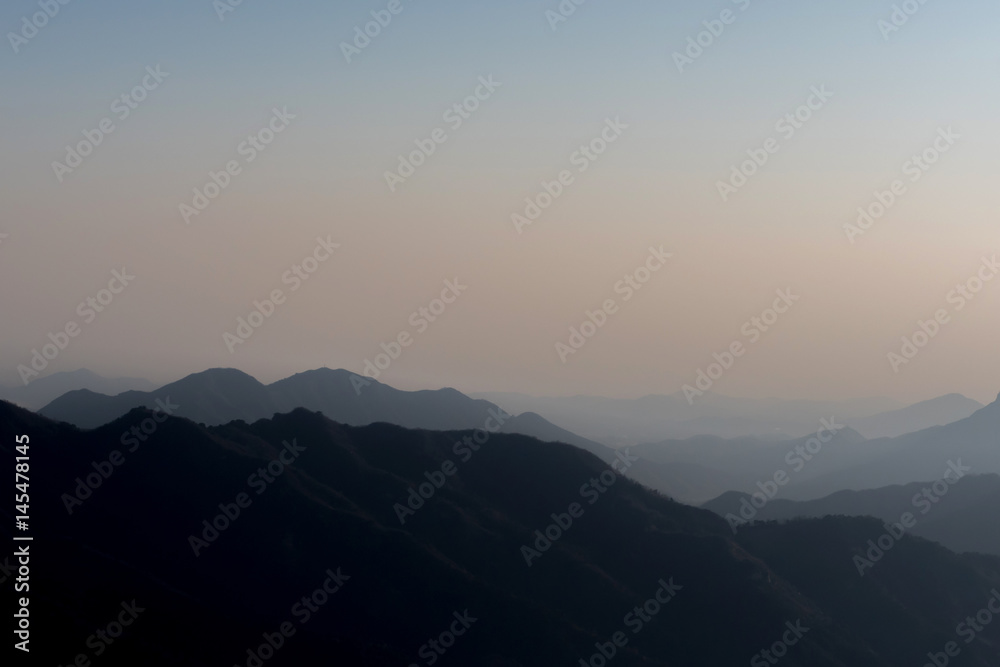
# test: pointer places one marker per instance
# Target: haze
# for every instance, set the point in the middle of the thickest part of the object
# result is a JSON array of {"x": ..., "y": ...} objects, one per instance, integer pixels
[{"x": 609, "y": 65}]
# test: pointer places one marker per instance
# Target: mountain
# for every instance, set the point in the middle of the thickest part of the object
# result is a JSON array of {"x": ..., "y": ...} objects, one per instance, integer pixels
[
  {"x": 684, "y": 482},
  {"x": 619, "y": 422},
  {"x": 333, "y": 393},
  {"x": 739, "y": 464},
  {"x": 814, "y": 469},
  {"x": 693, "y": 470},
  {"x": 44, "y": 390},
  {"x": 923, "y": 455},
  {"x": 288, "y": 541},
  {"x": 221, "y": 395},
  {"x": 530, "y": 423},
  {"x": 963, "y": 518},
  {"x": 935, "y": 412}
]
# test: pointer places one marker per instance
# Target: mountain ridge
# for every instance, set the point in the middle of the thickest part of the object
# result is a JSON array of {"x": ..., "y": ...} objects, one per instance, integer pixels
[{"x": 334, "y": 510}]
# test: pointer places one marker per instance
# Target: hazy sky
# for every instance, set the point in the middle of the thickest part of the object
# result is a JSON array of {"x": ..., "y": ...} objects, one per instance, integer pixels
[{"x": 609, "y": 69}]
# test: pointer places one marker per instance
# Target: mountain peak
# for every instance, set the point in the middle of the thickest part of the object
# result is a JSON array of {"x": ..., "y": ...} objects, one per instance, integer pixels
[
  {"x": 222, "y": 372},
  {"x": 226, "y": 379}
]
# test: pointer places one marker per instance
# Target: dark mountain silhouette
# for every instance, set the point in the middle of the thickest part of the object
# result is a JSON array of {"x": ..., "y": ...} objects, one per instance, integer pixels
[
  {"x": 213, "y": 396},
  {"x": 44, "y": 390},
  {"x": 693, "y": 470},
  {"x": 333, "y": 393},
  {"x": 334, "y": 511},
  {"x": 221, "y": 395},
  {"x": 530, "y": 423},
  {"x": 963, "y": 519},
  {"x": 685, "y": 482}
]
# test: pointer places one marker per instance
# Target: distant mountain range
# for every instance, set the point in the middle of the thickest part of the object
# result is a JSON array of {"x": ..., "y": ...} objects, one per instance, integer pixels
[
  {"x": 917, "y": 417},
  {"x": 846, "y": 462},
  {"x": 222, "y": 395},
  {"x": 44, "y": 390},
  {"x": 618, "y": 422},
  {"x": 623, "y": 571},
  {"x": 963, "y": 518},
  {"x": 740, "y": 463},
  {"x": 692, "y": 470},
  {"x": 923, "y": 455}
]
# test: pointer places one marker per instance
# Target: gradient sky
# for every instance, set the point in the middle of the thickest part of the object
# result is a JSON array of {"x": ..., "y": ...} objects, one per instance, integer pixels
[{"x": 656, "y": 185}]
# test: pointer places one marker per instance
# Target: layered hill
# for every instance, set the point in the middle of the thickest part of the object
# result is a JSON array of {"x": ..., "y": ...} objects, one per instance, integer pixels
[
  {"x": 538, "y": 552},
  {"x": 961, "y": 515},
  {"x": 218, "y": 396},
  {"x": 836, "y": 457},
  {"x": 42, "y": 391},
  {"x": 917, "y": 417},
  {"x": 221, "y": 395}
]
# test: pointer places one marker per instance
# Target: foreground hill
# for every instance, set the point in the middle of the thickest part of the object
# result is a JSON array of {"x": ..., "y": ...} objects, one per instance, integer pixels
[{"x": 668, "y": 582}]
